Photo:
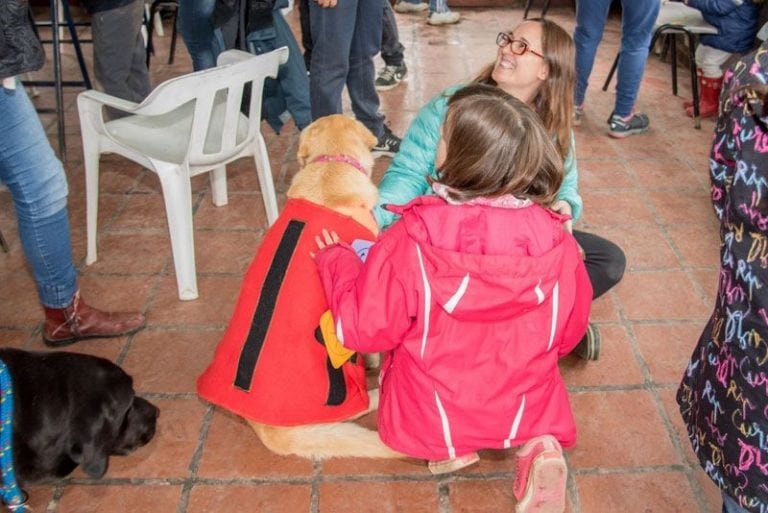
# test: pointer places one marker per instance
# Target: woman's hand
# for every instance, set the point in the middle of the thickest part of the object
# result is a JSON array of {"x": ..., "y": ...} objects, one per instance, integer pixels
[
  {"x": 563, "y": 207},
  {"x": 329, "y": 239},
  {"x": 326, "y": 3}
]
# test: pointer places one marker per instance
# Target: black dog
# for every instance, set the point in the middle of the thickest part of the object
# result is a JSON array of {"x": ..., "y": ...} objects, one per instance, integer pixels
[{"x": 73, "y": 409}]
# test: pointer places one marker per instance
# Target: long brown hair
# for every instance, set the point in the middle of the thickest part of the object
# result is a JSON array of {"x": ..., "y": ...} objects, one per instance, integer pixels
[
  {"x": 497, "y": 145},
  {"x": 554, "y": 101}
]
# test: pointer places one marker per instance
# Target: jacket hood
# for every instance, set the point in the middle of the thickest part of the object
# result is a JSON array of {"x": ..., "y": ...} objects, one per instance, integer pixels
[{"x": 483, "y": 263}]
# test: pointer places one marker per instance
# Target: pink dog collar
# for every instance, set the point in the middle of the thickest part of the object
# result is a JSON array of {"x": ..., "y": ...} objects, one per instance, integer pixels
[{"x": 341, "y": 158}]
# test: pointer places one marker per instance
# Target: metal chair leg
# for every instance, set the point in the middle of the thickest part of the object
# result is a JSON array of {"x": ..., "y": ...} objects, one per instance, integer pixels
[
  {"x": 673, "y": 62},
  {"x": 610, "y": 73},
  {"x": 694, "y": 80},
  {"x": 545, "y": 9},
  {"x": 173, "y": 35},
  {"x": 527, "y": 8}
]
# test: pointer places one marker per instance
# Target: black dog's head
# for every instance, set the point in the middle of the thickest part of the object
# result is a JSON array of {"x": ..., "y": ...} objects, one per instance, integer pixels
[
  {"x": 73, "y": 409},
  {"x": 116, "y": 427},
  {"x": 109, "y": 419}
]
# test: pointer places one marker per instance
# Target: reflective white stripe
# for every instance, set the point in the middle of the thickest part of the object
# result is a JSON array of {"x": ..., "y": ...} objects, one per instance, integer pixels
[
  {"x": 555, "y": 302},
  {"x": 339, "y": 333},
  {"x": 451, "y": 304},
  {"x": 515, "y": 424},
  {"x": 446, "y": 427},
  {"x": 539, "y": 293},
  {"x": 427, "y": 301}
]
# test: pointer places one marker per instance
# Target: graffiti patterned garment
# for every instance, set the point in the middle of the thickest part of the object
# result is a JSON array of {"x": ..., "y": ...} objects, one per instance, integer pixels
[
  {"x": 271, "y": 366},
  {"x": 724, "y": 393}
]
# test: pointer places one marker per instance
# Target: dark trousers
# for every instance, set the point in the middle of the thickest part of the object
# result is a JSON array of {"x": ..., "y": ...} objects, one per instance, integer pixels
[
  {"x": 391, "y": 48},
  {"x": 345, "y": 39},
  {"x": 605, "y": 261}
]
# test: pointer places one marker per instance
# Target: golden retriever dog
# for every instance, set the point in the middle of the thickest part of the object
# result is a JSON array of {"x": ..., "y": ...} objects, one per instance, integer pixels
[{"x": 271, "y": 366}]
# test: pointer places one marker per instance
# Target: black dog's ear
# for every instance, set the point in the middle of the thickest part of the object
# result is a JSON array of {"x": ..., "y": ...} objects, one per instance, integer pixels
[{"x": 92, "y": 456}]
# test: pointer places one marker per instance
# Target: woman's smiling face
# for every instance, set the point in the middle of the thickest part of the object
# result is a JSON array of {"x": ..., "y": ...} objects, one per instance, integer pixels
[{"x": 522, "y": 75}]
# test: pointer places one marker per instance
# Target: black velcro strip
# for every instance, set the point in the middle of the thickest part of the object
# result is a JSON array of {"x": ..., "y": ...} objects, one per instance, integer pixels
[
  {"x": 266, "y": 307},
  {"x": 337, "y": 387}
]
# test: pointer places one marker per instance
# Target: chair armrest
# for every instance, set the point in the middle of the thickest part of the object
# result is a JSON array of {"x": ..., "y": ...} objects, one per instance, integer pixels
[{"x": 111, "y": 101}]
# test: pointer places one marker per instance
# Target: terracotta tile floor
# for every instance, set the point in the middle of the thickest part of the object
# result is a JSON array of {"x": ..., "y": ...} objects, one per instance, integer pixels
[{"x": 648, "y": 193}]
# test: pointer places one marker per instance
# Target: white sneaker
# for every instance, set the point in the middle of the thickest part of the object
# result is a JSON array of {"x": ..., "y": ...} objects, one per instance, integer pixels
[
  {"x": 405, "y": 7},
  {"x": 443, "y": 18}
]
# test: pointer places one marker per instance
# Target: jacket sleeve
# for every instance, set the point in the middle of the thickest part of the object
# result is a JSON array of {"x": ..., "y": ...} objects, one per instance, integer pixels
[
  {"x": 716, "y": 7},
  {"x": 368, "y": 301},
  {"x": 569, "y": 190},
  {"x": 406, "y": 177},
  {"x": 576, "y": 325}
]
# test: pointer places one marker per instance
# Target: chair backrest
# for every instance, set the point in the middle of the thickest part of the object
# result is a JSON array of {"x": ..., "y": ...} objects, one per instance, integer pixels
[{"x": 217, "y": 95}]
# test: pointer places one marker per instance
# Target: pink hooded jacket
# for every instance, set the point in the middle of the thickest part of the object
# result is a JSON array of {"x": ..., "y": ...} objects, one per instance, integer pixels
[{"x": 474, "y": 306}]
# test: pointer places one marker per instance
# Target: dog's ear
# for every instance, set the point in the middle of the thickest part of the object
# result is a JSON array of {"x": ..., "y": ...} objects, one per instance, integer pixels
[
  {"x": 303, "y": 154},
  {"x": 98, "y": 420},
  {"x": 91, "y": 452}
]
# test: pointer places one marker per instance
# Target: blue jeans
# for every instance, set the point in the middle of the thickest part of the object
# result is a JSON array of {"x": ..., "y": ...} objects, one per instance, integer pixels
[
  {"x": 197, "y": 31},
  {"x": 345, "y": 39},
  {"x": 291, "y": 89},
  {"x": 730, "y": 505},
  {"x": 637, "y": 20},
  {"x": 38, "y": 185},
  {"x": 391, "y": 48}
]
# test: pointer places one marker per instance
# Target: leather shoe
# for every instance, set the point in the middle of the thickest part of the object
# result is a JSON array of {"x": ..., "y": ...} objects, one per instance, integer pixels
[{"x": 78, "y": 321}]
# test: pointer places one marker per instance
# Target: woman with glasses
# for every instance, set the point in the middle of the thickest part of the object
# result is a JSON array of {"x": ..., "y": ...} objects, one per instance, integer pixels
[{"x": 535, "y": 64}]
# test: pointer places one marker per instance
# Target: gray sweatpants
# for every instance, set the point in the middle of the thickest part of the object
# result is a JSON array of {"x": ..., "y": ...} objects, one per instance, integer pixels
[{"x": 119, "y": 53}]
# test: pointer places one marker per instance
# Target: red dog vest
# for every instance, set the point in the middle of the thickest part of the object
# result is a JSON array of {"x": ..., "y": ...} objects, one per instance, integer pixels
[{"x": 271, "y": 366}]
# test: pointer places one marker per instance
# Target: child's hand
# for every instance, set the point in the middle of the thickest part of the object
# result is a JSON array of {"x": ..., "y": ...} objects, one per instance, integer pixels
[
  {"x": 329, "y": 239},
  {"x": 563, "y": 207}
]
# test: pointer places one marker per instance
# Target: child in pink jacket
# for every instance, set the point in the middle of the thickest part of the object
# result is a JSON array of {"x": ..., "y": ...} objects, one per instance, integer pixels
[{"x": 473, "y": 296}]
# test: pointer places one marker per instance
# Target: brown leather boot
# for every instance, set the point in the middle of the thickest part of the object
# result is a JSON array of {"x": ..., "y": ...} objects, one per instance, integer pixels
[{"x": 64, "y": 326}]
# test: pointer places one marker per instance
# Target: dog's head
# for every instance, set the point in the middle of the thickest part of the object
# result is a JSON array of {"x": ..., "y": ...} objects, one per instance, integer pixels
[
  {"x": 333, "y": 151},
  {"x": 336, "y": 135},
  {"x": 111, "y": 421}
]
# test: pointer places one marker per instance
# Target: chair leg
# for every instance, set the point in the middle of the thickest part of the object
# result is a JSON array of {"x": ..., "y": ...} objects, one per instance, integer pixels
[
  {"x": 527, "y": 8},
  {"x": 91, "y": 164},
  {"x": 610, "y": 73},
  {"x": 3, "y": 243},
  {"x": 545, "y": 9},
  {"x": 694, "y": 81},
  {"x": 264, "y": 172},
  {"x": 673, "y": 63},
  {"x": 177, "y": 194},
  {"x": 174, "y": 31},
  {"x": 218, "y": 179},
  {"x": 150, "y": 31}
]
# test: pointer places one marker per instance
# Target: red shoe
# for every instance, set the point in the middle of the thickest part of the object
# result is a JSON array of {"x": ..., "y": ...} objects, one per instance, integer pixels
[{"x": 540, "y": 477}]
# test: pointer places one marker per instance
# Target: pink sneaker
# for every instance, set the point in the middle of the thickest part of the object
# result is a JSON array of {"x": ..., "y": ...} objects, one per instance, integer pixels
[
  {"x": 540, "y": 477},
  {"x": 453, "y": 464}
]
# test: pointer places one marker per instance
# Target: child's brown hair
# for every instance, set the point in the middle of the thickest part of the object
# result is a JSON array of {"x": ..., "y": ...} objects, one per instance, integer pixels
[{"x": 497, "y": 145}]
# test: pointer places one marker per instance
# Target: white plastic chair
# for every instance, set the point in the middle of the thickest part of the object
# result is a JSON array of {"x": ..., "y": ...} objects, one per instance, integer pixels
[{"x": 188, "y": 125}]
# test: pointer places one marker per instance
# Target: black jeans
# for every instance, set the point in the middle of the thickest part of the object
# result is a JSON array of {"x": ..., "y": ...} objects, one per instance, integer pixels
[{"x": 605, "y": 261}]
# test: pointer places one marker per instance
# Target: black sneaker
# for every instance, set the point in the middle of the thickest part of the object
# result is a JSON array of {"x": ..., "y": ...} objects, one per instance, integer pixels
[
  {"x": 620, "y": 128},
  {"x": 388, "y": 144},
  {"x": 589, "y": 346},
  {"x": 390, "y": 77}
]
